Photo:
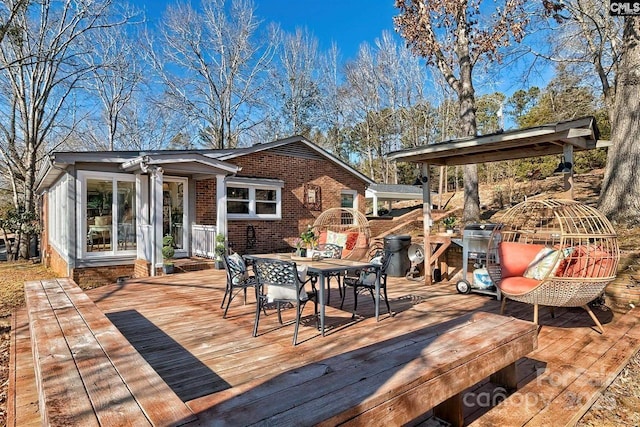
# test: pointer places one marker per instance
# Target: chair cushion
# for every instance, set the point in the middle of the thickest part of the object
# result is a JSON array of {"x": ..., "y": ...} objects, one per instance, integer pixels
[
  {"x": 515, "y": 257},
  {"x": 518, "y": 285},
  {"x": 276, "y": 292}
]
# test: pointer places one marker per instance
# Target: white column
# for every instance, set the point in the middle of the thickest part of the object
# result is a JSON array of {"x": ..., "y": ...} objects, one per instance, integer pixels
[
  {"x": 221, "y": 205},
  {"x": 156, "y": 218},
  {"x": 375, "y": 205},
  {"x": 143, "y": 225}
]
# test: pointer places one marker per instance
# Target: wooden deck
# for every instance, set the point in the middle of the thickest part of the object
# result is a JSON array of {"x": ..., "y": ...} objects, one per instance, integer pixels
[{"x": 175, "y": 322}]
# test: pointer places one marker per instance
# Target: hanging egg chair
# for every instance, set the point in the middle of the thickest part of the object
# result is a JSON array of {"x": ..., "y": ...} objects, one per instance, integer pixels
[
  {"x": 345, "y": 227},
  {"x": 557, "y": 253}
]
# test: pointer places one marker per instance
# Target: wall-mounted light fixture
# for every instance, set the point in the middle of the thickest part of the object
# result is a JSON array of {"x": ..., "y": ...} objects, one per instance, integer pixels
[
  {"x": 420, "y": 181},
  {"x": 563, "y": 167}
]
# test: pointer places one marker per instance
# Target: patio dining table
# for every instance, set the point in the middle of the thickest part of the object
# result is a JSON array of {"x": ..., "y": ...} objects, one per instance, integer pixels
[{"x": 323, "y": 268}]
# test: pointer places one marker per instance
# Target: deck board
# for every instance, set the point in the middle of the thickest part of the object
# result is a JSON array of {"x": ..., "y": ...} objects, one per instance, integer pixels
[{"x": 176, "y": 324}]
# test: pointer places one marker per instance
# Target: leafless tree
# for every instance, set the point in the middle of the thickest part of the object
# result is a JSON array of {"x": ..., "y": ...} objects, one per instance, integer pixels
[
  {"x": 332, "y": 114},
  {"x": 454, "y": 36},
  {"x": 41, "y": 69},
  {"x": 212, "y": 65},
  {"x": 9, "y": 9},
  {"x": 117, "y": 75},
  {"x": 297, "y": 83},
  {"x": 385, "y": 86}
]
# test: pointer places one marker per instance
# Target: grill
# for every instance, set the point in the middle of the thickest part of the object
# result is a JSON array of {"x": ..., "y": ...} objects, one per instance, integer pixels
[{"x": 475, "y": 243}]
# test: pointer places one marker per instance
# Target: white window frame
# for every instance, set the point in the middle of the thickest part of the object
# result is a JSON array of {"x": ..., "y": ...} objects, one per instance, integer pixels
[
  {"x": 81, "y": 220},
  {"x": 353, "y": 193},
  {"x": 252, "y": 185}
]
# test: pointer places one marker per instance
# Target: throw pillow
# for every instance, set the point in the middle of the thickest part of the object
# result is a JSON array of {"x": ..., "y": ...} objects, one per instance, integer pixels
[
  {"x": 238, "y": 265},
  {"x": 543, "y": 263},
  {"x": 368, "y": 278},
  {"x": 587, "y": 262},
  {"x": 339, "y": 239},
  {"x": 352, "y": 238}
]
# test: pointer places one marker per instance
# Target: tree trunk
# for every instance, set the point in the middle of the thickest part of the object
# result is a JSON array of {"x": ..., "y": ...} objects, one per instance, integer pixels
[
  {"x": 620, "y": 193},
  {"x": 466, "y": 99}
]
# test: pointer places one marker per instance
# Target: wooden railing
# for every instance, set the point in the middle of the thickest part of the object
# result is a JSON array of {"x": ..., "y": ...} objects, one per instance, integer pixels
[{"x": 203, "y": 240}]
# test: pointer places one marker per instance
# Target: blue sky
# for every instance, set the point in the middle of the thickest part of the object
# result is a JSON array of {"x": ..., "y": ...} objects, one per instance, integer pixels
[{"x": 347, "y": 22}]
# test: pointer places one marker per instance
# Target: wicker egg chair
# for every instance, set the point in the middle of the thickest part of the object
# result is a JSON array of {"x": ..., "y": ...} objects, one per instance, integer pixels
[
  {"x": 557, "y": 253},
  {"x": 349, "y": 222}
]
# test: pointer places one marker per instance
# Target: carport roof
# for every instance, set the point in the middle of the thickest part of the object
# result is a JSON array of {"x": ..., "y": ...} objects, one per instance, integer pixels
[{"x": 537, "y": 141}]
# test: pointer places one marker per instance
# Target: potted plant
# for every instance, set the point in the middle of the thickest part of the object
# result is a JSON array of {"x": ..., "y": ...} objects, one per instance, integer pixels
[
  {"x": 300, "y": 250},
  {"x": 167, "y": 253},
  {"x": 220, "y": 250},
  {"x": 309, "y": 239},
  {"x": 449, "y": 222}
]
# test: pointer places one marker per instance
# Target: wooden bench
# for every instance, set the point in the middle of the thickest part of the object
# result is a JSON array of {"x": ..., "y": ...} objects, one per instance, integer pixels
[
  {"x": 87, "y": 373},
  {"x": 389, "y": 383}
]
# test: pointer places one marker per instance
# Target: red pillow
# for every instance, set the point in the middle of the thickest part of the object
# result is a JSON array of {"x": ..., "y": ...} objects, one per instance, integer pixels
[
  {"x": 352, "y": 238},
  {"x": 515, "y": 257},
  {"x": 322, "y": 238},
  {"x": 586, "y": 262}
]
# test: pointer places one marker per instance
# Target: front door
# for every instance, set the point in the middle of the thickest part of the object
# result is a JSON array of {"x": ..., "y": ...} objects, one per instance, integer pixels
[{"x": 174, "y": 213}]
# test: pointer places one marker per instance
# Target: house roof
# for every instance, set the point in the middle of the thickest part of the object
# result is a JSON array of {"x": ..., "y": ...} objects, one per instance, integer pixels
[
  {"x": 198, "y": 163},
  {"x": 232, "y": 154},
  {"x": 537, "y": 141},
  {"x": 172, "y": 161}
]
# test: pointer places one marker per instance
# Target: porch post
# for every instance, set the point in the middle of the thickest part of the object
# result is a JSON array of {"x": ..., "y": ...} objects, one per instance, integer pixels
[
  {"x": 567, "y": 153},
  {"x": 375, "y": 204},
  {"x": 426, "y": 222},
  {"x": 143, "y": 225},
  {"x": 221, "y": 205},
  {"x": 156, "y": 218}
]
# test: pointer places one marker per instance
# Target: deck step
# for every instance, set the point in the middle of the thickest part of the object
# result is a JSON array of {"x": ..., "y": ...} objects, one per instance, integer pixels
[{"x": 81, "y": 357}]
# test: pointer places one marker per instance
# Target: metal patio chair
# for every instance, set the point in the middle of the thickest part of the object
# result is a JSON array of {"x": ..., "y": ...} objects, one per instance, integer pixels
[
  {"x": 283, "y": 286},
  {"x": 366, "y": 281},
  {"x": 238, "y": 279}
]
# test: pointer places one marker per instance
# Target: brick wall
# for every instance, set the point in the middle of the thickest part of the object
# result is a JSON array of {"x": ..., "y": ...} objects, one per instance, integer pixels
[
  {"x": 53, "y": 260},
  {"x": 295, "y": 172},
  {"x": 90, "y": 277},
  {"x": 141, "y": 268}
]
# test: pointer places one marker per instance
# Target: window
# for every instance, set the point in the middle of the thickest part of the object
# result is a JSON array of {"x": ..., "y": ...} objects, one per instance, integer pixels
[
  {"x": 348, "y": 199},
  {"x": 109, "y": 206},
  {"x": 254, "y": 198},
  {"x": 57, "y": 215}
]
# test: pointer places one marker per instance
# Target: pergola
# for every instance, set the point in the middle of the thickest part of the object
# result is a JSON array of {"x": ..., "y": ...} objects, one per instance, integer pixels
[{"x": 563, "y": 138}]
